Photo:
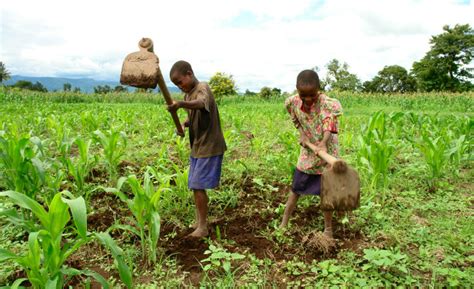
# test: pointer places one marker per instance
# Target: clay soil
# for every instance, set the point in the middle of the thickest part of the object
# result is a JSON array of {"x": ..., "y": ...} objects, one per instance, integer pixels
[{"x": 243, "y": 229}]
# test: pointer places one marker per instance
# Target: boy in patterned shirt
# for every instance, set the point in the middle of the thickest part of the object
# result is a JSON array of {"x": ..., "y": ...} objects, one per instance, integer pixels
[{"x": 315, "y": 116}]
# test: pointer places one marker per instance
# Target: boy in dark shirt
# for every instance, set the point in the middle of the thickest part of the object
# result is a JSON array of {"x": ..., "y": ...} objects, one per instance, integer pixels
[{"x": 206, "y": 138}]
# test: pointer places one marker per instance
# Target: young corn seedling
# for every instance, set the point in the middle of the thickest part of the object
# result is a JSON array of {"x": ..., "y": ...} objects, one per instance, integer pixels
[
  {"x": 113, "y": 144},
  {"x": 23, "y": 171},
  {"x": 375, "y": 151},
  {"x": 436, "y": 153},
  {"x": 49, "y": 248},
  {"x": 181, "y": 195},
  {"x": 80, "y": 168},
  {"x": 143, "y": 205}
]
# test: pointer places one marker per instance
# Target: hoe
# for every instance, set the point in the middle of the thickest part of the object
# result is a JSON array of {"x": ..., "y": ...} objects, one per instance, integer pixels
[
  {"x": 141, "y": 69},
  {"x": 340, "y": 184}
]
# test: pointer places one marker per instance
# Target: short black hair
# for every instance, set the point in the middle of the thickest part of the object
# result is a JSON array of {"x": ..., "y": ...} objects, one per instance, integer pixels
[
  {"x": 308, "y": 77},
  {"x": 182, "y": 67}
]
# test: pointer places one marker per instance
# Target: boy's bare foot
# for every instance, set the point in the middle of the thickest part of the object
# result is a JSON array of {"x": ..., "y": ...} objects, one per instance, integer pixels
[
  {"x": 199, "y": 233},
  {"x": 193, "y": 226}
]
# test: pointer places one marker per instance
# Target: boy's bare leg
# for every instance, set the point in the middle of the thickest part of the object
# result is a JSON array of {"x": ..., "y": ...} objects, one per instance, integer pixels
[
  {"x": 196, "y": 220},
  {"x": 201, "y": 200},
  {"x": 328, "y": 223},
  {"x": 289, "y": 208}
]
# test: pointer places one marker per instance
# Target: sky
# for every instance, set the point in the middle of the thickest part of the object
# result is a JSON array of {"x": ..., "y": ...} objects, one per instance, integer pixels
[{"x": 259, "y": 42}]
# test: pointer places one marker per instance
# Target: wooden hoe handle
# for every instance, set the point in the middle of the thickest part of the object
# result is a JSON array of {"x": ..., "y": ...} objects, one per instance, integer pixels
[
  {"x": 322, "y": 154},
  {"x": 167, "y": 96}
]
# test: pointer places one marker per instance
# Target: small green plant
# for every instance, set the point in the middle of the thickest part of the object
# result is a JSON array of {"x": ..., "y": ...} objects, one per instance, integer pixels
[
  {"x": 436, "y": 154},
  {"x": 219, "y": 258},
  {"x": 113, "y": 144},
  {"x": 391, "y": 265},
  {"x": 79, "y": 169},
  {"x": 22, "y": 169},
  {"x": 376, "y": 150},
  {"x": 146, "y": 219}
]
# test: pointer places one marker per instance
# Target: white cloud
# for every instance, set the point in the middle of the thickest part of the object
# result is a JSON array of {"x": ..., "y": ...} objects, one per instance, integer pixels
[{"x": 91, "y": 38}]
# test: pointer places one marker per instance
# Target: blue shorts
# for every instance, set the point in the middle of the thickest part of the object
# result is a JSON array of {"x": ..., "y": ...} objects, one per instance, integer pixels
[
  {"x": 204, "y": 173},
  {"x": 306, "y": 184}
]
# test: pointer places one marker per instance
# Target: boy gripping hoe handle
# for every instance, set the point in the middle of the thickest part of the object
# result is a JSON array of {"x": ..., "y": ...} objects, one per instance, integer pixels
[
  {"x": 167, "y": 96},
  {"x": 141, "y": 69},
  {"x": 322, "y": 154}
]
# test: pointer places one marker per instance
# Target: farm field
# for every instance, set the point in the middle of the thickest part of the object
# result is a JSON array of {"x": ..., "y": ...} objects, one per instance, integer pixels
[{"x": 94, "y": 193}]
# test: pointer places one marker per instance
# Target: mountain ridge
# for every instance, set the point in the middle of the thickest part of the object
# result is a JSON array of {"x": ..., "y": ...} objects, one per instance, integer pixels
[{"x": 85, "y": 84}]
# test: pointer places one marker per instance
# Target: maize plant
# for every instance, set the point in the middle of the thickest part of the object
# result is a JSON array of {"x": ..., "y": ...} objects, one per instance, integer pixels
[
  {"x": 143, "y": 205},
  {"x": 49, "y": 248},
  {"x": 375, "y": 150},
  {"x": 23, "y": 171},
  {"x": 181, "y": 196},
  {"x": 80, "y": 168},
  {"x": 113, "y": 144},
  {"x": 436, "y": 154},
  {"x": 291, "y": 150}
]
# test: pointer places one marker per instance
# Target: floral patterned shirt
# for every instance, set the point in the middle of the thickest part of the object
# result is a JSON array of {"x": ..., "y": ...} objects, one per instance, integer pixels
[{"x": 322, "y": 117}]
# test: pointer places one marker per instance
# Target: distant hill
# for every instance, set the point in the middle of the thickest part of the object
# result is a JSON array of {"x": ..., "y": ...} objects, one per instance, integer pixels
[{"x": 85, "y": 84}]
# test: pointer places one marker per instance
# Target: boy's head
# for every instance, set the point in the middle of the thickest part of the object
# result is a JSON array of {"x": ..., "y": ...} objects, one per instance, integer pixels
[
  {"x": 182, "y": 76},
  {"x": 307, "y": 84}
]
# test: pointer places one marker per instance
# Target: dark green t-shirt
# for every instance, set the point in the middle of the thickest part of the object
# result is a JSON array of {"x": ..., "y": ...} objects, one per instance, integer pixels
[{"x": 205, "y": 132}]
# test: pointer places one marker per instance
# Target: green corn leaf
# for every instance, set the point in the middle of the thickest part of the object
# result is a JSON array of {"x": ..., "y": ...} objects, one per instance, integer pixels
[
  {"x": 34, "y": 254},
  {"x": 79, "y": 214},
  {"x": 155, "y": 226},
  {"x": 124, "y": 271},
  {"x": 53, "y": 283},
  {"x": 17, "y": 220},
  {"x": 28, "y": 203},
  {"x": 58, "y": 215}
]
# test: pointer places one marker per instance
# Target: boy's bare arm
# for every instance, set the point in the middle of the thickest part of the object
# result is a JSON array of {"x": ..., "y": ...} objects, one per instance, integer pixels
[
  {"x": 192, "y": 104},
  {"x": 323, "y": 144}
]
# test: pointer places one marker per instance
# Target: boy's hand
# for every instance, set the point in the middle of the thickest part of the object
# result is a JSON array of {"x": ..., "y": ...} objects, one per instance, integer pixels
[{"x": 174, "y": 106}]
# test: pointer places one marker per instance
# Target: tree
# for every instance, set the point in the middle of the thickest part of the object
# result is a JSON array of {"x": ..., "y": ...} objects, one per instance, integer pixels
[
  {"x": 339, "y": 78},
  {"x": 67, "y": 86},
  {"x": 4, "y": 73},
  {"x": 268, "y": 92},
  {"x": 77, "y": 89},
  {"x": 24, "y": 84},
  {"x": 276, "y": 92},
  {"x": 393, "y": 78},
  {"x": 120, "y": 88},
  {"x": 222, "y": 84},
  {"x": 249, "y": 93},
  {"x": 265, "y": 92},
  {"x": 102, "y": 89},
  {"x": 445, "y": 66}
]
